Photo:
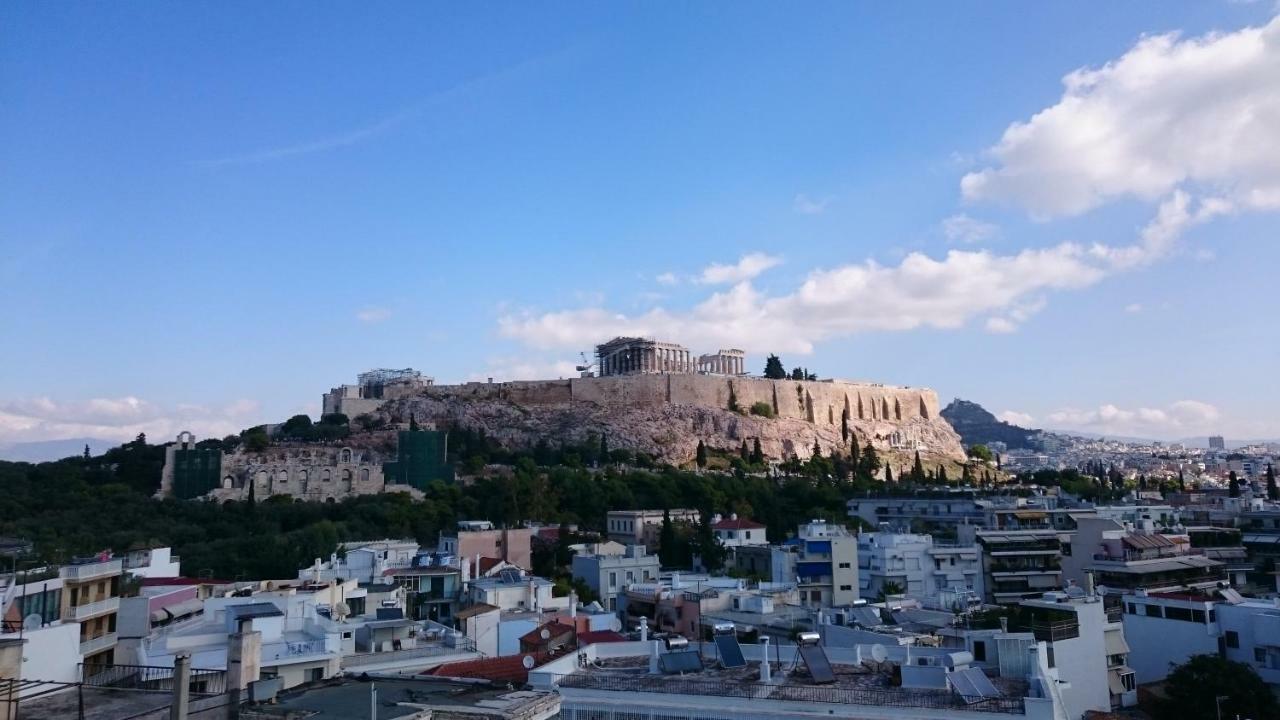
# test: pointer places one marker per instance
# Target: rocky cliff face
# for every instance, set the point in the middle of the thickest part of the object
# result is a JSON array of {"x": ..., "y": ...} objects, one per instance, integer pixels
[{"x": 669, "y": 432}]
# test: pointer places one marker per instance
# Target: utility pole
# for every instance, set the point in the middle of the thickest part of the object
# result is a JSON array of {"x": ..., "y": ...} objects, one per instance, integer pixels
[
  {"x": 181, "y": 686},
  {"x": 373, "y": 701}
]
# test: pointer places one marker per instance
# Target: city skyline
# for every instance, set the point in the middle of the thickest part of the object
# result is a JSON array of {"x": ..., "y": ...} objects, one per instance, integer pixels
[{"x": 942, "y": 197}]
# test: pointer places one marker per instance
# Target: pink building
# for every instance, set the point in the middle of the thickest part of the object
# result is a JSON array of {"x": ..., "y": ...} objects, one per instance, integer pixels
[{"x": 479, "y": 538}]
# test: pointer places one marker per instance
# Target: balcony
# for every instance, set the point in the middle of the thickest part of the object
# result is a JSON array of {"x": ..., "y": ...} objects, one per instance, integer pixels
[
  {"x": 88, "y": 610},
  {"x": 91, "y": 571},
  {"x": 93, "y": 645},
  {"x": 1048, "y": 631}
]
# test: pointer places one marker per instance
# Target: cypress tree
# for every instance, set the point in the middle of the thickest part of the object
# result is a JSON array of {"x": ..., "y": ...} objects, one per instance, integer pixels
[
  {"x": 701, "y": 456},
  {"x": 853, "y": 452},
  {"x": 604, "y": 448},
  {"x": 1273, "y": 492},
  {"x": 917, "y": 471},
  {"x": 817, "y": 449},
  {"x": 844, "y": 426},
  {"x": 888, "y": 474},
  {"x": 1233, "y": 488},
  {"x": 744, "y": 452},
  {"x": 757, "y": 455},
  {"x": 942, "y": 475}
]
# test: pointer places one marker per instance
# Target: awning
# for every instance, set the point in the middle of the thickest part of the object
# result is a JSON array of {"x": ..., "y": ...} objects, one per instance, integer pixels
[
  {"x": 1030, "y": 514},
  {"x": 1116, "y": 644},
  {"x": 185, "y": 608},
  {"x": 1113, "y": 679},
  {"x": 159, "y": 616}
]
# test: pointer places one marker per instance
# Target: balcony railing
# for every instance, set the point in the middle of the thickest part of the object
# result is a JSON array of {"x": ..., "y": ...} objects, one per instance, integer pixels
[
  {"x": 88, "y": 610},
  {"x": 465, "y": 645},
  {"x": 90, "y": 571},
  {"x": 93, "y": 645},
  {"x": 287, "y": 650},
  {"x": 1053, "y": 631}
]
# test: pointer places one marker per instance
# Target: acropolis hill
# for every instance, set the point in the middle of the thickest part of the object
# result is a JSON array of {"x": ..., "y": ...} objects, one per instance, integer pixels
[{"x": 664, "y": 407}]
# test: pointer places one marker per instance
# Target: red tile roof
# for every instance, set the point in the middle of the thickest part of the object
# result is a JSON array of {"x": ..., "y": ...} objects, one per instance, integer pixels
[
  {"x": 555, "y": 628},
  {"x": 509, "y": 669},
  {"x": 738, "y": 524},
  {"x": 599, "y": 636}
]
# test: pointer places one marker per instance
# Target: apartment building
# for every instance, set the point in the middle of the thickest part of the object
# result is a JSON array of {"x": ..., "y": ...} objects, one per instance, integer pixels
[
  {"x": 642, "y": 527},
  {"x": 735, "y": 532},
  {"x": 91, "y": 598},
  {"x": 917, "y": 566},
  {"x": 826, "y": 564},
  {"x": 609, "y": 576},
  {"x": 1124, "y": 558},
  {"x": 476, "y": 539},
  {"x": 1017, "y": 565}
]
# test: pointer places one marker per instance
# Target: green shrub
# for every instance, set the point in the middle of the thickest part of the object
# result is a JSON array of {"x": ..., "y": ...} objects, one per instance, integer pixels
[{"x": 763, "y": 409}]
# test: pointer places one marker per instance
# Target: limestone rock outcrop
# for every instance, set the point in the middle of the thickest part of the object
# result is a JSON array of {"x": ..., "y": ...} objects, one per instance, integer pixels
[{"x": 666, "y": 416}]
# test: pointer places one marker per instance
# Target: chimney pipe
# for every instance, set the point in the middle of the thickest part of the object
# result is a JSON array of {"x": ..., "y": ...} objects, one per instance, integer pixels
[
  {"x": 573, "y": 605},
  {"x": 766, "y": 672},
  {"x": 1089, "y": 588},
  {"x": 653, "y": 657}
]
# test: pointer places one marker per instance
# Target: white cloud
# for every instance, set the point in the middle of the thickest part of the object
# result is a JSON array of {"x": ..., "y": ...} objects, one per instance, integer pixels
[
  {"x": 1133, "y": 308},
  {"x": 667, "y": 278},
  {"x": 1013, "y": 417},
  {"x": 1193, "y": 124},
  {"x": 373, "y": 315},
  {"x": 805, "y": 205},
  {"x": 1179, "y": 419},
  {"x": 502, "y": 369},
  {"x": 747, "y": 267},
  {"x": 121, "y": 419},
  {"x": 1001, "y": 326},
  {"x": 962, "y": 228},
  {"x": 918, "y": 292}
]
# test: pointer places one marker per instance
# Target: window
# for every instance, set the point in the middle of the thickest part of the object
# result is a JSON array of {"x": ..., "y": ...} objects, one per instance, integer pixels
[
  {"x": 844, "y": 566},
  {"x": 979, "y": 651},
  {"x": 1233, "y": 639},
  {"x": 1066, "y": 549},
  {"x": 613, "y": 580},
  {"x": 1197, "y": 616},
  {"x": 1177, "y": 613},
  {"x": 1050, "y": 657},
  {"x": 1131, "y": 608},
  {"x": 846, "y": 587},
  {"x": 1130, "y": 682},
  {"x": 1260, "y": 655},
  {"x": 747, "y": 535},
  {"x": 1154, "y": 611}
]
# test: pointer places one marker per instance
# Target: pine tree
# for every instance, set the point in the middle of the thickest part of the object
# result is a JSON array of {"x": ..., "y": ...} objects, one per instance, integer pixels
[
  {"x": 773, "y": 369},
  {"x": 1273, "y": 492},
  {"x": 701, "y": 456},
  {"x": 870, "y": 461},
  {"x": 757, "y": 455},
  {"x": 86, "y": 452}
]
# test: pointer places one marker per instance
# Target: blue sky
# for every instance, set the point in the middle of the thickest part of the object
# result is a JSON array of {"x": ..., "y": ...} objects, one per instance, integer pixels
[{"x": 211, "y": 212}]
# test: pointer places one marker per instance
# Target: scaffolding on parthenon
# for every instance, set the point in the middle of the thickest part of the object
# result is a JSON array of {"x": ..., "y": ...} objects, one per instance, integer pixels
[{"x": 373, "y": 381}]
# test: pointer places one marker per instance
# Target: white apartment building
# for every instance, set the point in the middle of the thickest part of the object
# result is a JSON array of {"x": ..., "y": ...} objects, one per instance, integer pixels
[
  {"x": 609, "y": 576},
  {"x": 918, "y": 566}
]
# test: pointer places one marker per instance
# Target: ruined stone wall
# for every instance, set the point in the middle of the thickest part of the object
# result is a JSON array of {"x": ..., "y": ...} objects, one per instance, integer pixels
[{"x": 308, "y": 473}]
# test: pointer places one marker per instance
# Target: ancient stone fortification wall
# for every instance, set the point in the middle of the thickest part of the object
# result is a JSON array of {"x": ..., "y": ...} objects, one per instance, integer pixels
[{"x": 822, "y": 402}]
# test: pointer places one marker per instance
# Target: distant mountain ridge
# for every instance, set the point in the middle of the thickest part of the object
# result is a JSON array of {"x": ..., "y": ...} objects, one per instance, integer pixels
[
  {"x": 977, "y": 426},
  {"x": 48, "y": 450}
]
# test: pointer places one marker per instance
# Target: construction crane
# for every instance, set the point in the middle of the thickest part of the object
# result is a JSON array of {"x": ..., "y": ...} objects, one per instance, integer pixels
[{"x": 586, "y": 368}]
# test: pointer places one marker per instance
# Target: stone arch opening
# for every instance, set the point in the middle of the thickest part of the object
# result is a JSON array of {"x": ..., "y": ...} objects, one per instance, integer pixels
[
  {"x": 261, "y": 480},
  {"x": 227, "y": 482},
  {"x": 364, "y": 475},
  {"x": 345, "y": 455},
  {"x": 326, "y": 476}
]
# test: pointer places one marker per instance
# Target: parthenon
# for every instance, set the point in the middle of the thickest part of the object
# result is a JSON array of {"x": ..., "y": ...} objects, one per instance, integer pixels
[{"x": 644, "y": 356}]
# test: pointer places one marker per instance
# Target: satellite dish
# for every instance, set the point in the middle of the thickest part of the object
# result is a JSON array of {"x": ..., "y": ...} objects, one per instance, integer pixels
[
  {"x": 546, "y": 634},
  {"x": 527, "y": 662},
  {"x": 32, "y": 622},
  {"x": 878, "y": 653}
]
